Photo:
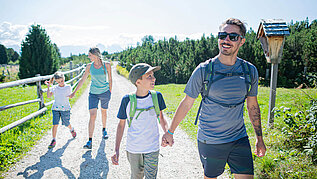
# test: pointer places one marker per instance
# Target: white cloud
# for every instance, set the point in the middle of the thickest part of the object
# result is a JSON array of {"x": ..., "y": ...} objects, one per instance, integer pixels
[
  {"x": 12, "y": 34},
  {"x": 70, "y": 35}
]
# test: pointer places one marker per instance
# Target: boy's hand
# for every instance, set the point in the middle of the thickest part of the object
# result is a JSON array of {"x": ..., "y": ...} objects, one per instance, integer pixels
[
  {"x": 47, "y": 83},
  {"x": 164, "y": 142},
  {"x": 167, "y": 139},
  {"x": 115, "y": 159}
]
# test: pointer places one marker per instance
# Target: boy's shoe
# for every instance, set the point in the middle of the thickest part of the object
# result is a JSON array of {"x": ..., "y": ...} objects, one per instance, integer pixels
[
  {"x": 73, "y": 133},
  {"x": 104, "y": 134},
  {"x": 88, "y": 145},
  {"x": 52, "y": 145}
]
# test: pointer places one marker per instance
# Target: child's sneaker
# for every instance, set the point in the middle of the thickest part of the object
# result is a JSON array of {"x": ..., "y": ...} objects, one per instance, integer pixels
[
  {"x": 88, "y": 145},
  {"x": 73, "y": 133},
  {"x": 104, "y": 134},
  {"x": 52, "y": 145}
]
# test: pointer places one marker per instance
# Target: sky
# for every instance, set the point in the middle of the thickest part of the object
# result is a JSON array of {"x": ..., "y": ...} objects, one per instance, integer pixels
[{"x": 120, "y": 24}]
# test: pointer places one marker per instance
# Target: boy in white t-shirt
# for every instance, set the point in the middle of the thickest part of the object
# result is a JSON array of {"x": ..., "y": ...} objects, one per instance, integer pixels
[
  {"x": 143, "y": 132},
  {"x": 61, "y": 107}
]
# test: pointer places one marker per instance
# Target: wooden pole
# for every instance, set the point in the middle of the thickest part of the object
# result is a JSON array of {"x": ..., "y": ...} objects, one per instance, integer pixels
[
  {"x": 274, "y": 70},
  {"x": 40, "y": 93},
  {"x": 71, "y": 74}
]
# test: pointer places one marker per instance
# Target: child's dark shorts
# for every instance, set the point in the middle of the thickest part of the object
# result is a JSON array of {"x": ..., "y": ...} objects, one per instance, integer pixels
[
  {"x": 237, "y": 154},
  {"x": 64, "y": 115},
  {"x": 104, "y": 99}
]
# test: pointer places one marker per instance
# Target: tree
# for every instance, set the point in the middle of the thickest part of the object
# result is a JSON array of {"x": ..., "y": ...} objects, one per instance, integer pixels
[
  {"x": 148, "y": 38},
  {"x": 104, "y": 53},
  {"x": 39, "y": 55},
  {"x": 13, "y": 56},
  {"x": 3, "y": 55}
]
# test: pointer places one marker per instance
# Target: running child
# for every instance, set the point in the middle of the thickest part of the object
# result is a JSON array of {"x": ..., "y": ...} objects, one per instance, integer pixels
[
  {"x": 143, "y": 119},
  {"x": 61, "y": 107}
]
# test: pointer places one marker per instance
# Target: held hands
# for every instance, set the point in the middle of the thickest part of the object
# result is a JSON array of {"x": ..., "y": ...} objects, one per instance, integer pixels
[
  {"x": 167, "y": 139},
  {"x": 115, "y": 159},
  {"x": 260, "y": 148}
]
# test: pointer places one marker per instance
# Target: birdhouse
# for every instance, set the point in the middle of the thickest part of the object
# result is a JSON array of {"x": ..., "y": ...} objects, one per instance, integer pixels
[{"x": 272, "y": 34}]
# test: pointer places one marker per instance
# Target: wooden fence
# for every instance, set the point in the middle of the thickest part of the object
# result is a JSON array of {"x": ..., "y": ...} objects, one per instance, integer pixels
[{"x": 42, "y": 106}]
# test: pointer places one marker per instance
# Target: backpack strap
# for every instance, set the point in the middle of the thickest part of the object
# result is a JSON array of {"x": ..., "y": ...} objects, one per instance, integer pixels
[
  {"x": 208, "y": 79},
  {"x": 247, "y": 76},
  {"x": 133, "y": 106},
  {"x": 133, "y": 103},
  {"x": 156, "y": 104}
]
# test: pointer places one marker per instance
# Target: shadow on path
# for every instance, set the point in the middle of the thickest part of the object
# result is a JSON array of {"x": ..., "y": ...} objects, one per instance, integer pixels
[
  {"x": 48, "y": 161},
  {"x": 95, "y": 168}
]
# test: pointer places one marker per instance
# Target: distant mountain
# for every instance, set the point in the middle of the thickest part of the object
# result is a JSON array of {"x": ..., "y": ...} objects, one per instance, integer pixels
[
  {"x": 75, "y": 50},
  {"x": 66, "y": 51},
  {"x": 114, "y": 48}
]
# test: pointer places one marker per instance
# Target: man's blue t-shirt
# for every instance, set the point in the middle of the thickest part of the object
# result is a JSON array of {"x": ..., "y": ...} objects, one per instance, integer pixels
[{"x": 219, "y": 124}]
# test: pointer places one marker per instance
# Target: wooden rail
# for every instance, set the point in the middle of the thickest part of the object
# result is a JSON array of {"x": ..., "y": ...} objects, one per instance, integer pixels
[{"x": 40, "y": 99}]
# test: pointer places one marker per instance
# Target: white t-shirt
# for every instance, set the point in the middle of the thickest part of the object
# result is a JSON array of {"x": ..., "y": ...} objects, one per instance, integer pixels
[
  {"x": 61, "y": 100},
  {"x": 143, "y": 134}
]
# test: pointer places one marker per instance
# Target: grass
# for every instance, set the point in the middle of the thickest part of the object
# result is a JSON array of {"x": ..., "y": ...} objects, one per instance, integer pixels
[
  {"x": 11, "y": 73},
  {"x": 280, "y": 161},
  {"x": 122, "y": 71},
  {"x": 16, "y": 142}
]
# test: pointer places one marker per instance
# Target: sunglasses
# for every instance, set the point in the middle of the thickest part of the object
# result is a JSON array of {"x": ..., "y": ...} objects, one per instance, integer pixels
[{"x": 232, "y": 36}]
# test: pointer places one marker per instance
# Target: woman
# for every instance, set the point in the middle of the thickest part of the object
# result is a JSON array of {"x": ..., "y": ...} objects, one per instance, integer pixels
[{"x": 100, "y": 90}]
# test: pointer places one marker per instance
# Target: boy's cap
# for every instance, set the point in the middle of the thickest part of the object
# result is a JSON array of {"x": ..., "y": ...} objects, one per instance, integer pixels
[{"x": 140, "y": 69}]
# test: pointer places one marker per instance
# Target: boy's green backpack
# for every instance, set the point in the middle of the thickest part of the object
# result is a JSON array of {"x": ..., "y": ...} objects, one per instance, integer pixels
[{"x": 133, "y": 104}]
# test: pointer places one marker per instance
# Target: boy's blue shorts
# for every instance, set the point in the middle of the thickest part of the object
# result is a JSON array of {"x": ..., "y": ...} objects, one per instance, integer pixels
[
  {"x": 104, "y": 99},
  {"x": 237, "y": 154},
  {"x": 64, "y": 115}
]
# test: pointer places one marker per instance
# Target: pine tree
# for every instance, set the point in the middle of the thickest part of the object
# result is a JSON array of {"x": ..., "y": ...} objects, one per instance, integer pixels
[
  {"x": 3, "y": 55},
  {"x": 39, "y": 55}
]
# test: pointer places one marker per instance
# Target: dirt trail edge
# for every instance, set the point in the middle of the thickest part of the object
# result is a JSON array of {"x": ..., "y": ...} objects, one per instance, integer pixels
[{"x": 69, "y": 160}]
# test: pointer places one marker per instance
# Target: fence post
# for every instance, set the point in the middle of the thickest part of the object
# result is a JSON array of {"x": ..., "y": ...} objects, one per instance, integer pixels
[
  {"x": 71, "y": 74},
  {"x": 40, "y": 93}
]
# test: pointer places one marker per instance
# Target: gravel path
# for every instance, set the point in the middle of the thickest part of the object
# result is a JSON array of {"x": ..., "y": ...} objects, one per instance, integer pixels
[{"x": 69, "y": 160}]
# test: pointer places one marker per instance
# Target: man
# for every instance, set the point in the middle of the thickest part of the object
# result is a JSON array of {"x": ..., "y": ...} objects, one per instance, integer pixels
[{"x": 222, "y": 136}]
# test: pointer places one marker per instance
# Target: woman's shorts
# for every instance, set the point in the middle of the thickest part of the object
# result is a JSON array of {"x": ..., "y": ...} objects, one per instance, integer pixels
[
  {"x": 237, "y": 154},
  {"x": 104, "y": 99},
  {"x": 64, "y": 115}
]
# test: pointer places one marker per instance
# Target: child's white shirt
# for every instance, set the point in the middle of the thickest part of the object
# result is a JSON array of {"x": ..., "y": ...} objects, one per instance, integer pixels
[
  {"x": 61, "y": 100},
  {"x": 143, "y": 134}
]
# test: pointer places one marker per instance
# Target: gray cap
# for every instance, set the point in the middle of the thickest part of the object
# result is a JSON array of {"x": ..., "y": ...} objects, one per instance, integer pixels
[{"x": 140, "y": 69}]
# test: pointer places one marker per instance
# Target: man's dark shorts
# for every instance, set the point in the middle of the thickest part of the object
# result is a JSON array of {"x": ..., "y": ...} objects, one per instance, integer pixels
[
  {"x": 237, "y": 154},
  {"x": 104, "y": 99}
]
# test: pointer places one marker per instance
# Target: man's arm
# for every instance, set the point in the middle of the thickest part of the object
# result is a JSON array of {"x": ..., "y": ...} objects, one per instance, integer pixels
[
  {"x": 255, "y": 118},
  {"x": 182, "y": 110}
]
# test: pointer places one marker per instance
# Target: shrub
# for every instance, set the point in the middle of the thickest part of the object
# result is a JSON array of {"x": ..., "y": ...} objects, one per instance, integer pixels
[{"x": 301, "y": 129}]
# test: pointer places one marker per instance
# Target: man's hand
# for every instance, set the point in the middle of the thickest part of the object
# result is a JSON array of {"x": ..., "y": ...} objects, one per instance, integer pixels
[
  {"x": 167, "y": 139},
  {"x": 115, "y": 159},
  {"x": 260, "y": 148}
]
